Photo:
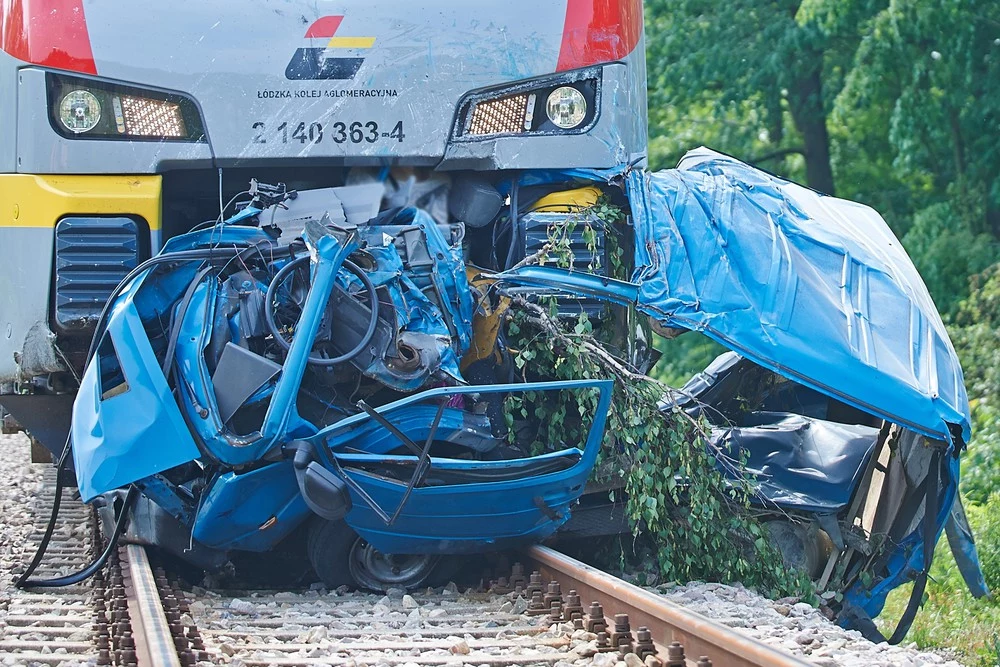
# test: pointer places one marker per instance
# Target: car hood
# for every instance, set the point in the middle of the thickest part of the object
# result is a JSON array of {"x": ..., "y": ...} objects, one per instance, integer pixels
[{"x": 816, "y": 288}]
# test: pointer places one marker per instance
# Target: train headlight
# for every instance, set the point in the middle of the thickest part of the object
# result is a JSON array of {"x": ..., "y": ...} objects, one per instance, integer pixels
[
  {"x": 504, "y": 115},
  {"x": 79, "y": 111},
  {"x": 565, "y": 103},
  {"x": 83, "y": 108},
  {"x": 566, "y": 107}
]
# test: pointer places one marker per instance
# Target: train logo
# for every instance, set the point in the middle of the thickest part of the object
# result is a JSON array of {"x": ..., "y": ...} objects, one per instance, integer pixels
[{"x": 336, "y": 59}]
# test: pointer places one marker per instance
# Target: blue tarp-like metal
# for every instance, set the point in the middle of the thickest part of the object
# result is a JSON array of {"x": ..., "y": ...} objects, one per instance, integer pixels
[{"x": 813, "y": 287}]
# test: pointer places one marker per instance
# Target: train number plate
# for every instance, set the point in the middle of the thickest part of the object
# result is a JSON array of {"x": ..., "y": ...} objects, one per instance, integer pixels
[{"x": 339, "y": 132}]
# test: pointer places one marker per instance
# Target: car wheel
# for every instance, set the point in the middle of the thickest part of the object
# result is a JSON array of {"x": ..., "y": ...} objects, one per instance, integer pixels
[
  {"x": 341, "y": 558},
  {"x": 328, "y": 547},
  {"x": 377, "y": 571}
]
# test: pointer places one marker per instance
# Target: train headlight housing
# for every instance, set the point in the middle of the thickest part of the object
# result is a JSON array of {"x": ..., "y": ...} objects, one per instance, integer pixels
[
  {"x": 79, "y": 111},
  {"x": 566, "y": 107},
  {"x": 564, "y": 104},
  {"x": 83, "y": 108}
]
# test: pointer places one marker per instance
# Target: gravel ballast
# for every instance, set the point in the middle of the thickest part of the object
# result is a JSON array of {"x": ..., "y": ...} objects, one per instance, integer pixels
[
  {"x": 21, "y": 485},
  {"x": 796, "y": 627}
]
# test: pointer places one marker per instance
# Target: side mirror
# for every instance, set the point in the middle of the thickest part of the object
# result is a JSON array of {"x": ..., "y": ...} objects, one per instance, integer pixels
[{"x": 325, "y": 493}]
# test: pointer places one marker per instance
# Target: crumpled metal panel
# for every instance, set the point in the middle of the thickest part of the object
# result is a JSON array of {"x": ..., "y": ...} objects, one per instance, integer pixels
[
  {"x": 251, "y": 511},
  {"x": 123, "y": 438},
  {"x": 461, "y": 506},
  {"x": 448, "y": 332},
  {"x": 813, "y": 287}
]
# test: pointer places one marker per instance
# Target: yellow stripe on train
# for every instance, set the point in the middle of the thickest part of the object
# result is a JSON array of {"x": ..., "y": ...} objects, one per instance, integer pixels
[{"x": 33, "y": 200}]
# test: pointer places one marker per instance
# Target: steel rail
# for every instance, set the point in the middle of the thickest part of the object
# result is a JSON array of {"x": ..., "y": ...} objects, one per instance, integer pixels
[
  {"x": 667, "y": 622},
  {"x": 154, "y": 642}
]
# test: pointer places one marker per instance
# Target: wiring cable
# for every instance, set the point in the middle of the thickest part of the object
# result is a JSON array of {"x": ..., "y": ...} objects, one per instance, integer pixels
[
  {"x": 91, "y": 569},
  {"x": 219, "y": 220}
]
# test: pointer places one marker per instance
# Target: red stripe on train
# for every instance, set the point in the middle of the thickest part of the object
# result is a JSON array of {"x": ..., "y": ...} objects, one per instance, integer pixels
[
  {"x": 599, "y": 31},
  {"x": 50, "y": 33}
]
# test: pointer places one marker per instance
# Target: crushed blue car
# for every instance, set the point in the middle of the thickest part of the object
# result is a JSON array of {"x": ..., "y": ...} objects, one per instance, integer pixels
[
  {"x": 245, "y": 386},
  {"x": 316, "y": 363}
]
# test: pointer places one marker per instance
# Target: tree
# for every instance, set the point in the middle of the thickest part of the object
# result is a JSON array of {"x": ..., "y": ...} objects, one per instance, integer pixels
[
  {"x": 897, "y": 101},
  {"x": 921, "y": 105},
  {"x": 934, "y": 68},
  {"x": 768, "y": 57}
]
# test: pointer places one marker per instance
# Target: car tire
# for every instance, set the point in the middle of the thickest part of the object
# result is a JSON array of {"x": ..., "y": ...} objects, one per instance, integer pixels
[
  {"x": 341, "y": 558},
  {"x": 328, "y": 547}
]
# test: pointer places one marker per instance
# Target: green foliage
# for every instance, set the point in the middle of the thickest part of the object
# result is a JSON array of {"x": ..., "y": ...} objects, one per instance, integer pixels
[
  {"x": 916, "y": 122},
  {"x": 976, "y": 334},
  {"x": 684, "y": 356},
  {"x": 753, "y": 79},
  {"x": 934, "y": 71},
  {"x": 682, "y": 508},
  {"x": 695, "y": 520},
  {"x": 986, "y": 521},
  {"x": 945, "y": 253},
  {"x": 980, "y": 472},
  {"x": 901, "y": 100}
]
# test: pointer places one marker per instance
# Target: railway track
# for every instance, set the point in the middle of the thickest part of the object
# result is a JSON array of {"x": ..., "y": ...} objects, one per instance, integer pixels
[
  {"x": 553, "y": 610},
  {"x": 677, "y": 633},
  {"x": 113, "y": 618},
  {"x": 533, "y": 616}
]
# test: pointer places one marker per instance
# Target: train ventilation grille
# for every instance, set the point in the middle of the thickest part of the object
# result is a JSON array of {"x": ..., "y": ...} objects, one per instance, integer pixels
[{"x": 92, "y": 256}]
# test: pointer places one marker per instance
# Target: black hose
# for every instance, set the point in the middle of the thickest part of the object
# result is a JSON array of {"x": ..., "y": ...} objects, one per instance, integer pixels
[
  {"x": 56, "y": 502},
  {"x": 933, "y": 483},
  {"x": 280, "y": 339},
  {"x": 90, "y": 570},
  {"x": 218, "y": 220}
]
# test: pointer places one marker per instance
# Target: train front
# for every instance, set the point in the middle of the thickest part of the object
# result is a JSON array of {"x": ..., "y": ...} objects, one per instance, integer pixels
[
  {"x": 127, "y": 126},
  {"x": 277, "y": 218}
]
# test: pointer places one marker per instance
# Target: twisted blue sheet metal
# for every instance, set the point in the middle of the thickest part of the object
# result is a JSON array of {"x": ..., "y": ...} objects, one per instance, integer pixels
[
  {"x": 480, "y": 508},
  {"x": 813, "y": 287},
  {"x": 139, "y": 432}
]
